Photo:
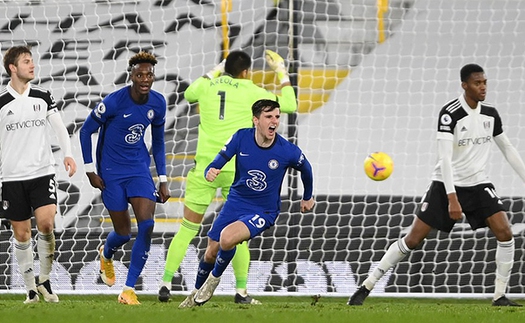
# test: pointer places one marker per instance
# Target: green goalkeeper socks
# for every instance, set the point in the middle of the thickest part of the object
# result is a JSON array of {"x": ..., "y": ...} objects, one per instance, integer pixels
[
  {"x": 178, "y": 247},
  {"x": 241, "y": 264}
]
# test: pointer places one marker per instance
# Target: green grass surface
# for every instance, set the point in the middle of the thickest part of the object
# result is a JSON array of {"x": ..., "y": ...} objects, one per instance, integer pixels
[{"x": 104, "y": 308}]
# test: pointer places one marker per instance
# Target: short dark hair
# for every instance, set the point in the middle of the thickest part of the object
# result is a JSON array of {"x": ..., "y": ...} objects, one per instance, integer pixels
[
  {"x": 12, "y": 54},
  {"x": 142, "y": 57},
  {"x": 468, "y": 69},
  {"x": 264, "y": 105},
  {"x": 236, "y": 62}
]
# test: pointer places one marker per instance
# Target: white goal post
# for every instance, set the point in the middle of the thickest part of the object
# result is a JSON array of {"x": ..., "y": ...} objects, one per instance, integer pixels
[{"x": 370, "y": 76}]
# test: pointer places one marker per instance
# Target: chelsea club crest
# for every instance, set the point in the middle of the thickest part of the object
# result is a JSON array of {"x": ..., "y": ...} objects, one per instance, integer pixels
[{"x": 273, "y": 164}]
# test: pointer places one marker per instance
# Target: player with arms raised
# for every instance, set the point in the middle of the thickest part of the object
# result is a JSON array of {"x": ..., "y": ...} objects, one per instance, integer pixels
[
  {"x": 224, "y": 107},
  {"x": 466, "y": 129},
  {"x": 123, "y": 160},
  {"x": 254, "y": 202}
]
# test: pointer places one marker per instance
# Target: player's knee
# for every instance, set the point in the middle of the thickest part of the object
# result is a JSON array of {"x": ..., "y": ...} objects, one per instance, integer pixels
[
  {"x": 192, "y": 216},
  {"x": 146, "y": 226},
  {"x": 22, "y": 235},
  {"x": 504, "y": 234},
  {"x": 45, "y": 227},
  {"x": 228, "y": 242},
  {"x": 500, "y": 226},
  {"x": 210, "y": 254},
  {"x": 122, "y": 231},
  {"x": 412, "y": 242},
  {"x": 45, "y": 224},
  {"x": 243, "y": 246}
]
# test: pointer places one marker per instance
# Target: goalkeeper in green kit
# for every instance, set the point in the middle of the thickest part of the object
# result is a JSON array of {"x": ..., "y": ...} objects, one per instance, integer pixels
[{"x": 225, "y": 96}]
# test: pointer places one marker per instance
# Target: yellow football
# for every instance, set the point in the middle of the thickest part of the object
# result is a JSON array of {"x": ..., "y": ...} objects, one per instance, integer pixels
[{"x": 378, "y": 166}]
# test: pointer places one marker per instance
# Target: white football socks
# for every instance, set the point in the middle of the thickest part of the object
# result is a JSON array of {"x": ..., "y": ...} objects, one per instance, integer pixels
[
  {"x": 24, "y": 257},
  {"x": 46, "y": 253},
  {"x": 395, "y": 253},
  {"x": 504, "y": 262}
]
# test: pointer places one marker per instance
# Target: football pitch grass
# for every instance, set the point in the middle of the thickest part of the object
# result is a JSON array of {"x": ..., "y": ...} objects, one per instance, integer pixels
[{"x": 289, "y": 309}]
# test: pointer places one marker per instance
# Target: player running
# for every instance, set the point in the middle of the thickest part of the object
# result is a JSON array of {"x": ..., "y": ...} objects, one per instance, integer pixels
[
  {"x": 225, "y": 96},
  {"x": 254, "y": 202}
]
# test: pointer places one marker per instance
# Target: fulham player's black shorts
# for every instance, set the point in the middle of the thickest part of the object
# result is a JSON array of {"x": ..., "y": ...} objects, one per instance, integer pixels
[
  {"x": 477, "y": 202},
  {"x": 21, "y": 198}
]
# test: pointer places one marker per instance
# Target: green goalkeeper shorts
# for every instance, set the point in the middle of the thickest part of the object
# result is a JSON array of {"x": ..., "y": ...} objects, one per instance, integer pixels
[{"x": 200, "y": 193}]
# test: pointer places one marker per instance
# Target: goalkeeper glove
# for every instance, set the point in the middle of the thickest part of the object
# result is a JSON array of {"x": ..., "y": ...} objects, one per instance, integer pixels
[
  {"x": 217, "y": 70},
  {"x": 276, "y": 63}
]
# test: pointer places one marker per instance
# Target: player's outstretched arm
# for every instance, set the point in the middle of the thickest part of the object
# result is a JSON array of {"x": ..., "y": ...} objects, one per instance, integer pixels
[{"x": 511, "y": 154}]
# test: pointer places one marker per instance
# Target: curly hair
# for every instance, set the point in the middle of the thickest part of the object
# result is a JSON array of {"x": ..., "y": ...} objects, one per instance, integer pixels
[{"x": 142, "y": 57}]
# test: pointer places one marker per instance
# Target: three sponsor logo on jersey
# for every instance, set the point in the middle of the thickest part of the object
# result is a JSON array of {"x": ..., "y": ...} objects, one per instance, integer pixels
[{"x": 136, "y": 130}]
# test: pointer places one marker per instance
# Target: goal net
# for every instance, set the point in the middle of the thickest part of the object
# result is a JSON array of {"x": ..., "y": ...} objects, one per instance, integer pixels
[{"x": 370, "y": 75}]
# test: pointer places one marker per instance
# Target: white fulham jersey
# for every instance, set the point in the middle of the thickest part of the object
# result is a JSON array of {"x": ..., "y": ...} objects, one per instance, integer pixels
[
  {"x": 471, "y": 132},
  {"x": 24, "y": 141}
]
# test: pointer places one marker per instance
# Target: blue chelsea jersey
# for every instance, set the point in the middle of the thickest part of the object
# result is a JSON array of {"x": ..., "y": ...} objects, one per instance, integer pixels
[
  {"x": 259, "y": 172},
  {"x": 121, "y": 148}
]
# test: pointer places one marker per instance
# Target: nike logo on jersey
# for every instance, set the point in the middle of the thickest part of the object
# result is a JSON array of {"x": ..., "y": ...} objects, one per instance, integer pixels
[
  {"x": 244, "y": 154},
  {"x": 127, "y": 115}
]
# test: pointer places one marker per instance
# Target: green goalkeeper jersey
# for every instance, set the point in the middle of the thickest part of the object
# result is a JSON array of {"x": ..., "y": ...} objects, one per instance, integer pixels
[{"x": 225, "y": 106}]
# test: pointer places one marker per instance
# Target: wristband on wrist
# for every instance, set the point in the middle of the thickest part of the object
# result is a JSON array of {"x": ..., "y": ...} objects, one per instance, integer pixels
[
  {"x": 284, "y": 79},
  {"x": 89, "y": 168}
]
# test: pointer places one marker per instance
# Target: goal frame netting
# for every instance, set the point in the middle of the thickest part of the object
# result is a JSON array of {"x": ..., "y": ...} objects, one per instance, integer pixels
[{"x": 369, "y": 75}]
